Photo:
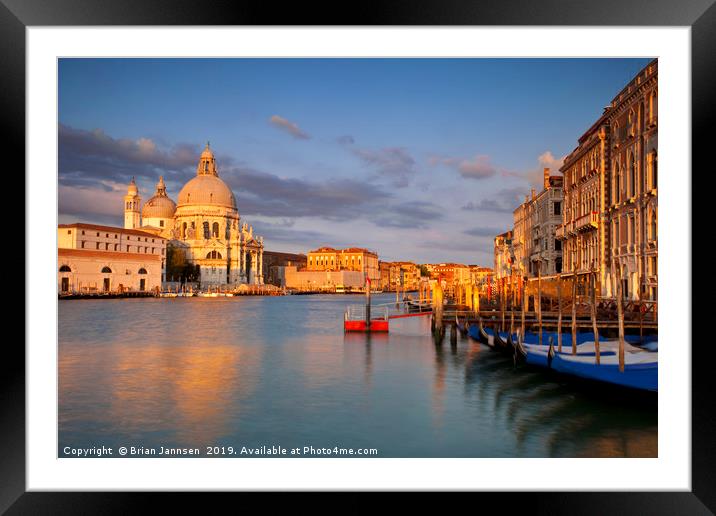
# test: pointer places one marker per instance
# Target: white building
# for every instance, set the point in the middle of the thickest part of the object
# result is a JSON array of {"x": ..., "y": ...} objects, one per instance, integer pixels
[
  {"x": 204, "y": 225},
  {"x": 94, "y": 258}
]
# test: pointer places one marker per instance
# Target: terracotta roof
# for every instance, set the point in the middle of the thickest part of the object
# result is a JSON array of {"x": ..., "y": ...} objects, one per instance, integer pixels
[
  {"x": 96, "y": 227},
  {"x": 109, "y": 255}
]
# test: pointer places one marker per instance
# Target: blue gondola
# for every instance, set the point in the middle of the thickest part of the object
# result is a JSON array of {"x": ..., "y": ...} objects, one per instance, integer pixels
[{"x": 640, "y": 369}]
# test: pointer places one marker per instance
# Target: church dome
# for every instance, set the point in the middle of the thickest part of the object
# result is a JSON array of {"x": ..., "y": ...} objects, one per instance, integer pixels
[
  {"x": 207, "y": 187},
  {"x": 160, "y": 206}
]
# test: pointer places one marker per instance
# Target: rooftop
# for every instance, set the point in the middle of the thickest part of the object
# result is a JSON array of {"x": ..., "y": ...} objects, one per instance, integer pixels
[{"x": 97, "y": 227}]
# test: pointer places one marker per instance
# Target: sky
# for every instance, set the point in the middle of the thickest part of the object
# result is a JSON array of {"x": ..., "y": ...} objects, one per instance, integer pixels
[{"x": 420, "y": 160}]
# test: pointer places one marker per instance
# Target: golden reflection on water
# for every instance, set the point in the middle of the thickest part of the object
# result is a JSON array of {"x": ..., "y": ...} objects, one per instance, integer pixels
[
  {"x": 212, "y": 373},
  {"x": 188, "y": 392}
]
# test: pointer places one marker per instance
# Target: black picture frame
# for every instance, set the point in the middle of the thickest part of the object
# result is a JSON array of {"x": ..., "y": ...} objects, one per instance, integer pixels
[{"x": 700, "y": 15}]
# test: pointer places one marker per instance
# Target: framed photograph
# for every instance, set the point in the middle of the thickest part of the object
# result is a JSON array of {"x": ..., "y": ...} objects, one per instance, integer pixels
[{"x": 418, "y": 253}]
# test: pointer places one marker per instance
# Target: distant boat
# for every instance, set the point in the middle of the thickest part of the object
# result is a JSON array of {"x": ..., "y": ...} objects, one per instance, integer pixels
[{"x": 168, "y": 294}]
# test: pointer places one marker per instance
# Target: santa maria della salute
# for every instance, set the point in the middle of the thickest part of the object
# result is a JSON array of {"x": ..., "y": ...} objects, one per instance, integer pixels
[{"x": 203, "y": 229}]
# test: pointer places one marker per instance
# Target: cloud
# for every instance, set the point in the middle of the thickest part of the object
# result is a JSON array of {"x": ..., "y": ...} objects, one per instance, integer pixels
[
  {"x": 288, "y": 126},
  {"x": 95, "y": 169},
  {"x": 410, "y": 214},
  {"x": 504, "y": 201},
  {"x": 266, "y": 194},
  {"x": 87, "y": 157},
  {"x": 94, "y": 203},
  {"x": 304, "y": 239},
  {"x": 396, "y": 163},
  {"x": 545, "y": 160},
  {"x": 346, "y": 140},
  {"x": 478, "y": 167},
  {"x": 484, "y": 232}
]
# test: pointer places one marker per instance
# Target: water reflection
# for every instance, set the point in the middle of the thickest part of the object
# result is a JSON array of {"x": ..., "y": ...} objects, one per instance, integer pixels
[{"x": 253, "y": 371}]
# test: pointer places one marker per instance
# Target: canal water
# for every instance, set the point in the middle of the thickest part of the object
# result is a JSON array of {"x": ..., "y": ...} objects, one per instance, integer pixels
[{"x": 279, "y": 371}]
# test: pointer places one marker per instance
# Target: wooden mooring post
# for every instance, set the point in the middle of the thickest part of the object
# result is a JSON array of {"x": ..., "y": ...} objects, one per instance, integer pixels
[
  {"x": 539, "y": 300},
  {"x": 559, "y": 314},
  {"x": 620, "y": 315},
  {"x": 503, "y": 296},
  {"x": 524, "y": 300},
  {"x": 574, "y": 310},
  {"x": 594, "y": 317},
  {"x": 367, "y": 304},
  {"x": 439, "y": 329}
]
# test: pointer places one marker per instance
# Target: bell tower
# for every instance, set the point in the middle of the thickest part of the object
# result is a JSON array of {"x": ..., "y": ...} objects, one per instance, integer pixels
[
  {"x": 132, "y": 216},
  {"x": 207, "y": 163}
]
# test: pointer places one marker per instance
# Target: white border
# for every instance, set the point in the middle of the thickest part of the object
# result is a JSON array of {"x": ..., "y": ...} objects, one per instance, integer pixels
[{"x": 672, "y": 470}]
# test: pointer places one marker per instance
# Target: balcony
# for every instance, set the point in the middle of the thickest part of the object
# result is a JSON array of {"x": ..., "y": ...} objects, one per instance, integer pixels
[
  {"x": 587, "y": 221},
  {"x": 571, "y": 230},
  {"x": 560, "y": 232}
]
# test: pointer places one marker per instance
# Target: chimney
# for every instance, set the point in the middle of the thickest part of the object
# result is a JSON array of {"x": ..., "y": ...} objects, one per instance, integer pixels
[{"x": 546, "y": 178}]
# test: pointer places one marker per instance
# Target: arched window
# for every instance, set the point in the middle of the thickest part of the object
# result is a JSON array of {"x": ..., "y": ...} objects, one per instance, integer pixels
[
  {"x": 632, "y": 123},
  {"x": 654, "y": 170},
  {"x": 106, "y": 270},
  {"x": 652, "y": 108},
  {"x": 65, "y": 268},
  {"x": 207, "y": 235},
  {"x": 183, "y": 231},
  {"x": 652, "y": 227},
  {"x": 213, "y": 255},
  {"x": 215, "y": 230},
  {"x": 632, "y": 175},
  {"x": 616, "y": 183},
  {"x": 142, "y": 271}
]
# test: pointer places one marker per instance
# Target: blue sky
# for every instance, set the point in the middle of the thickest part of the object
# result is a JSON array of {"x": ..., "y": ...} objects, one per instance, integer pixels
[{"x": 417, "y": 159}]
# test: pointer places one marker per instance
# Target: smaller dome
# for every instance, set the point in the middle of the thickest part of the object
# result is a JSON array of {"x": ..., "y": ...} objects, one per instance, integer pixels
[{"x": 159, "y": 207}]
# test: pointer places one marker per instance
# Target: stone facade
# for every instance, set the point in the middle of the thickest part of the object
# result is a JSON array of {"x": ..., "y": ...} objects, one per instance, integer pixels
[
  {"x": 93, "y": 258},
  {"x": 632, "y": 210},
  {"x": 546, "y": 250},
  {"x": 503, "y": 255},
  {"x": 582, "y": 228},
  {"x": 534, "y": 232},
  {"x": 323, "y": 279},
  {"x": 350, "y": 259},
  {"x": 275, "y": 263},
  {"x": 610, "y": 184}
]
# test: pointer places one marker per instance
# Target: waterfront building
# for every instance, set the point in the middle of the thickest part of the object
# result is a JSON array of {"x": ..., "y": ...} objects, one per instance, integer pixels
[
  {"x": 610, "y": 194},
  {"x": 326, "y": 280},
  {"x": 275, "y": 264},
  {"x": 350, "y": 259},
  {"x": 93, "y": 258},
  {"x": 449, "y": 273},
  {"x": 521, "y": 236},
  {"x": 632, "y": 210},
  {"x": 384, "y": 268},
  {"x": 583, "y": 224},
  {"x": 535, "y": 229},
  {"x": 503, "y": 255},
  {"x": 409, "y": 275},
  {"x": 204, "y": 227},
  {"x": 546, "y": 215}
]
